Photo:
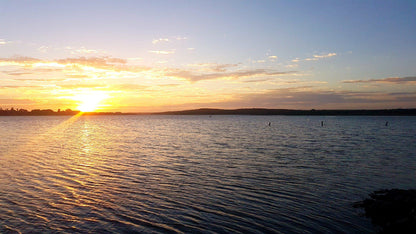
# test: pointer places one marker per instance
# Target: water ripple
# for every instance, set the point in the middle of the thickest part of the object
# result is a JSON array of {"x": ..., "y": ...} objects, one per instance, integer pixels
[{"x": 194, "y": 174}]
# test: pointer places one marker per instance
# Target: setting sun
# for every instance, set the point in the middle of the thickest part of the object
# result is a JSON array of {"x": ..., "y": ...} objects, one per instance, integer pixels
[{"x": 91, "y": 101}]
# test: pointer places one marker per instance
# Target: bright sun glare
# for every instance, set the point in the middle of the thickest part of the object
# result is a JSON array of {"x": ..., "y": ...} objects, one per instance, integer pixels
[{"x": 89, "y": 102}]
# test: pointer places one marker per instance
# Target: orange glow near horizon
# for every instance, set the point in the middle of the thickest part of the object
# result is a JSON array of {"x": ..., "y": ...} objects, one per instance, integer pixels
[{"x": 90, "y": 101}]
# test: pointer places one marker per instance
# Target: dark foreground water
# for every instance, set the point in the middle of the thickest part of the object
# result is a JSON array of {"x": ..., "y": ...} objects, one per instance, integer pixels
[{"x": 104, "y": 174}]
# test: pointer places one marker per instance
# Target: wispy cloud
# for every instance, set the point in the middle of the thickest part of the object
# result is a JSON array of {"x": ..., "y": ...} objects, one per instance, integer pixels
[
  {"x": 193, "y": 76},
  {"x": 97, "y": 62},
  {"x": 108, "y": 67},
  {"x": 391, "y": 80},
  {"x": 156, "y": 41},
  {"x": 76, "y": 76},
  {"x": 311, "y": 59},
  {"x": 16, "y": 60},
  {"x": 17, "y": 72},
  {"x": 5, "y": 101},
  {"x": 84, "y": 51},
  {"x": 306, "y": 97},
  {"x": 87, "y": 67},
  {"x": 84, "y": 67},
  {"x": 170, "y": 39},
  {"x": 179, "y": 38},
  {"x": 325, "y": 55},
  {"x": 105, "y": 64},
  {"x": 131, "y": 87},
  {"x": 309, "y": 97},
  {"x": 292, "y": 66},
  {"x": 81, "y": 86},
  {"x": 43, "y": 49},
  {"x": 80, "y": 67},
  {"x": 256, "y": 80},
  {"x": 17, "y": 86},
  {"x": 4, "y": 42},
  {"x": 168, "y": 85},
  {"x": 212, "y": 67},
  {"x": 71, "y": 65},
  {"x": 272, "y": 58},
  {"x": 165, "y": 52},
  {"x": 315, "y": 57}
]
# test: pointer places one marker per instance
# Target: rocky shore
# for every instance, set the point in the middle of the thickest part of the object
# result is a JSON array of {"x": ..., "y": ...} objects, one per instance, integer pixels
[{"x": 391, "y": 211}]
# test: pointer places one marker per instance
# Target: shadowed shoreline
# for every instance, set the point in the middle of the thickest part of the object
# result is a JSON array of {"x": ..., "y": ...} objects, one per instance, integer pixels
[
  {"x": 263, "y": 111},
  {"x": 392, "y": 211},
  {"x": 211, "y": 111}
]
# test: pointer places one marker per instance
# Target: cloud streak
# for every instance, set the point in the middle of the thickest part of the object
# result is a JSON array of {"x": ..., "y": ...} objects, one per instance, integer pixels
[
  {"x": 97, "y": 62},
  {"x": 325, "y": 55},
  {"x": 4, "y": 42},
  {"x": 390, "y": 80},
  {"x": 5, "y": 101},
  {"x": 213, "y": 67},
  {"x": 70, "y": 66},
  {"x": 318, "y": 57},
  {"x": 83, "y": 51},
  {"x": 308, "y": 97},
  {"x": 18, "y": 60},
  {"x": 194, "y": 77},
  {"x": 86, "y": 67},
  {"x": 166, "y": 40},
  {"x": 164, "y": 52},
  {"x": 156, "y": 41},
  {"x": 315, "y": 57}
]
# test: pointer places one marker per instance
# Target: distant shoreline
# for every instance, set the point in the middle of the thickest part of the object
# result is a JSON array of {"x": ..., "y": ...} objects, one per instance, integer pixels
[
  {"x": 263, "y": 111},
  {"x": 210, "y": 111}
]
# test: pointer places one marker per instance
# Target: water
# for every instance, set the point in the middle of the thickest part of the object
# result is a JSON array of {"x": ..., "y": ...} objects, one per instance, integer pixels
[{"x": 105, "y": 174}]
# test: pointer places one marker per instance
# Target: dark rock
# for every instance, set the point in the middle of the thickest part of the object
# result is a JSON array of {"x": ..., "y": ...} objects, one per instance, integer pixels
[{"x": 392, "y": 211}]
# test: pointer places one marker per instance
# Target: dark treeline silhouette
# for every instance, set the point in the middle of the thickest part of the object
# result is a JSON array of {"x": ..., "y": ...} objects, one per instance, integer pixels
[
  {"x": 38, "y": 112},
  {"x": 23, "y": 112},
  {"x": 261, "y": 111},
  {"x": 208, "y": 111}
]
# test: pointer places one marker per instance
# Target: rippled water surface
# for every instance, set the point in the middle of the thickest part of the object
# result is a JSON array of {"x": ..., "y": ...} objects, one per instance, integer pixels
[{"x": 105, "y": 174}]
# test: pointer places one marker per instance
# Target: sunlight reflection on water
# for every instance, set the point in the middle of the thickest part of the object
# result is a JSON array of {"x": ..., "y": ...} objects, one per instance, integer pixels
[{"x": 195, "y": 173}]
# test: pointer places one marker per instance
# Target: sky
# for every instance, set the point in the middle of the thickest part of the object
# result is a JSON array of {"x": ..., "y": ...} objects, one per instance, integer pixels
[{"x": 147, "y": 56}]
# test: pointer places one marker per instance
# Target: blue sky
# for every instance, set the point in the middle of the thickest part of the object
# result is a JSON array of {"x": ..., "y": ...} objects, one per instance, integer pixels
[{"x": 168, "y": 55}]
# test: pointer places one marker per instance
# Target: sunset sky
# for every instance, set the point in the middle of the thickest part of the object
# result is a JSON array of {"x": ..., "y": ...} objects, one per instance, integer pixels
[{"x": 141, "y": 56}]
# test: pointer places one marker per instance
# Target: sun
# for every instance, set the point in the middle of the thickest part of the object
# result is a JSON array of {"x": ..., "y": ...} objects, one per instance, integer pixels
[{"x": 91, "y": 101}]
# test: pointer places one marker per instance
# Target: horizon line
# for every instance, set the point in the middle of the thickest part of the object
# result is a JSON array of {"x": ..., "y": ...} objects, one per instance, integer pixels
[{"x": 218, "y": 111}]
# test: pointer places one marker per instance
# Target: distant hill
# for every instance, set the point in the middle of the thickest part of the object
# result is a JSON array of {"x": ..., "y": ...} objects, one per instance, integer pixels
[{"x": 263, "y": 111}]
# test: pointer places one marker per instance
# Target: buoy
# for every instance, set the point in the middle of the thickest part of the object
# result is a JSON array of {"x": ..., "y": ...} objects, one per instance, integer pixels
[{"x": 387, "y": 123}]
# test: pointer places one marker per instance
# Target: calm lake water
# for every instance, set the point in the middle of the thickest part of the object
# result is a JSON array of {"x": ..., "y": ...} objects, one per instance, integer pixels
[{"x": 237, "y": 174}]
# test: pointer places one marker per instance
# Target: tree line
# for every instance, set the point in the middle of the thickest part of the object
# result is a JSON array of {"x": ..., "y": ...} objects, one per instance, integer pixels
[{"x": 16, "y": 112}]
